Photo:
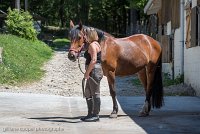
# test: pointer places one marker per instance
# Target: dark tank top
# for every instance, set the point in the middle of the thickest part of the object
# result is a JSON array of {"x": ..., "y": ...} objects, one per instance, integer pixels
[{"x": 88, "y": 57}]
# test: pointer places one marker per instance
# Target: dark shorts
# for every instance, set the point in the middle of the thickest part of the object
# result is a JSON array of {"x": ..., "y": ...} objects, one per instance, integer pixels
[{"x": 93, "y": 85}]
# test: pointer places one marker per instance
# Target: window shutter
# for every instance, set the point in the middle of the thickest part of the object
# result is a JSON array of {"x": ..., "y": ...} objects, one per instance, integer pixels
[
  {"x": 175, "y": 17},
  {"x": 198, "y": 23},
  {"x": 194, "y": 27},
  {"x": 166, "y": 49},
  {"x": 166, "y": 11},
  {"x": 188, "y": 25},
  {"x": 198, "y": 2}
]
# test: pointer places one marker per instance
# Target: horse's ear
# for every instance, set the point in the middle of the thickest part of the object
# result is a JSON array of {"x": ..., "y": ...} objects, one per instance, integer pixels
[
  {"x": 71, "y": 24},
  {"x": 80, "y": 25}
]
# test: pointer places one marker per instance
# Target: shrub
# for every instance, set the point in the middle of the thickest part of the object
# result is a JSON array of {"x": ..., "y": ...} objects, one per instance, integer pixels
[{"x": 20, "y": 23}]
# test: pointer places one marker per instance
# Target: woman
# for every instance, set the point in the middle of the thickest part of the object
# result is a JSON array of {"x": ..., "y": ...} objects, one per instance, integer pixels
[{"x": 93, "y": 75}]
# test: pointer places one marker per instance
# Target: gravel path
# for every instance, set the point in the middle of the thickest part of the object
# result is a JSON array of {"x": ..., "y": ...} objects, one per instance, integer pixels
[{"x": 63, "y": 77}]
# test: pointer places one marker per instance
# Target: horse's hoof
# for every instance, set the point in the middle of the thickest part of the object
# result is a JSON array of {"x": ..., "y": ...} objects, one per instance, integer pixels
[
  {"x": 143, "y": 114},
  {"x": 113, "y": 115}
]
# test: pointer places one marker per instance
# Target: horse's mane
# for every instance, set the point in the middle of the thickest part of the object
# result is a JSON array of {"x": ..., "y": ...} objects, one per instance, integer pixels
[
  {"x": 74, "y": 33},
  {"x": 101, "y": 34}
]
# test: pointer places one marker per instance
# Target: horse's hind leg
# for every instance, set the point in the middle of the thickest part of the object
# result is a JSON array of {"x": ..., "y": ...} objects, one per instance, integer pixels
[
  {"x": 142, "y": 75},
  {"x": 111, "y": 83}
]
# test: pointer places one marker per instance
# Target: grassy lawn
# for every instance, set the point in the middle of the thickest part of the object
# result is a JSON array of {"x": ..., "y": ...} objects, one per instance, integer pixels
[
  {"x": 22, "y": 59},
  {"x": 60, "y": 43}
]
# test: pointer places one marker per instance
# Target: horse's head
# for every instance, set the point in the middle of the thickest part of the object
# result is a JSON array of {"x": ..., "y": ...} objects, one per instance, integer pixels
[{"x": 76, "y": 36}]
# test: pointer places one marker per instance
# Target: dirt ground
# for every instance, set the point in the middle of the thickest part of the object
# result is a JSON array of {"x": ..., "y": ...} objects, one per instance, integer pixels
[{"x": 64, "y": 77}]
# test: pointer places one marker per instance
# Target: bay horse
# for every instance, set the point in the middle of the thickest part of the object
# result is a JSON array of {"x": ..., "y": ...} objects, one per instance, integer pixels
[{"x": 138, "y": 53}]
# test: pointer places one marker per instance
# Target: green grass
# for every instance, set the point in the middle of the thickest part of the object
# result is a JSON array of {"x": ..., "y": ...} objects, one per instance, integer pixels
[
  {"x": 22, "y": 59},
  {"x": 166, "y": 81},
  {"x": 60, "y": 43},
  {"x": 136, "y": 82}
]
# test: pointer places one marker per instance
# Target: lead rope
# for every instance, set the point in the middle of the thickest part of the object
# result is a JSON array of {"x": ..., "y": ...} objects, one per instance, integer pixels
[
  {"x": 79, "y": 65},
  {"x": 83, "y": 80}
]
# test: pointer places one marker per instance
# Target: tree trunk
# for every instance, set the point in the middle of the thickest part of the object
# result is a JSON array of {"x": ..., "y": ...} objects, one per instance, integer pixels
[
  {"x": 17, "y": 4},
  {"x": 61, "y": 13},
  {"x": 26, "y": 5},
  {"x": 84, "y": 11},
  {"x": 124, "y": 21},
  {"x": 133, "y": 21}
]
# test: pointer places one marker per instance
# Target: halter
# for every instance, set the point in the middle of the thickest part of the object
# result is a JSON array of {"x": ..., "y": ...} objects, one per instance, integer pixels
[
  {"x": 80, "y": 48},
  {"x": 77, "y": 50}
]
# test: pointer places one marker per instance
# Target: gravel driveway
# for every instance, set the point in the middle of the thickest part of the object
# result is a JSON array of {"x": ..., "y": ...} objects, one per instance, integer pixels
[{"x": 63, "y": 77}]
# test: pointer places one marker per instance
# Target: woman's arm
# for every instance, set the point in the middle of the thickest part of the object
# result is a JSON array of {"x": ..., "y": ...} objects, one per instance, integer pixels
[{"x": 93, "y": 53}]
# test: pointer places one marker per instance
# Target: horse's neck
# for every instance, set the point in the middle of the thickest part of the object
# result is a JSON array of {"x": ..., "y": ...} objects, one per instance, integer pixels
[{"x": 108, "y": 42}]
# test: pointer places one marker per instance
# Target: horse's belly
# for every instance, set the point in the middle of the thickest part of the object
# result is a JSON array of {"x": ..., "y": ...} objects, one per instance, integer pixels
[{"x": 124, "y": 69}]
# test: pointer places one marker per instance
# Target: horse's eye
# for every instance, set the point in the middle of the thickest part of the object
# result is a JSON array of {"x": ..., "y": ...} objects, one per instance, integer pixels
[{"x": 79, "y": 37}]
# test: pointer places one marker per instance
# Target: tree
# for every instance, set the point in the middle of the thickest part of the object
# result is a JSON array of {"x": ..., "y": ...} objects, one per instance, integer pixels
[
  {"x": 20, "y": 23},
  {"x": 26, "y": 5},
  {"x": 17, "y": 4},
  {"x": 61, "y": 13},
  {"x": 112, "y": 16}
]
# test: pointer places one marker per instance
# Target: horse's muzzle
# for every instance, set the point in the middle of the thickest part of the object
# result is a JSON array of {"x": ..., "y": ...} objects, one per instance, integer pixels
[{"x": 72, "y": 56}]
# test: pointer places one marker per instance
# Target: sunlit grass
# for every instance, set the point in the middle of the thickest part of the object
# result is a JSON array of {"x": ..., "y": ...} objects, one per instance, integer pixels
[
  {"x": 60, "y": 43},
  {"x": 22, "y": 59}
]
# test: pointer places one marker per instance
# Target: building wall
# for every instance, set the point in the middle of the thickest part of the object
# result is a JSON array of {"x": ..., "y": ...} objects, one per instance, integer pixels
[
  {"x": 192, "y": 64},
  {"x": 192, "y": 68},
  {"x": 167, "y": 69},
  {"x": 177, "y": 53},
  {"x": 190, "y": 57}
]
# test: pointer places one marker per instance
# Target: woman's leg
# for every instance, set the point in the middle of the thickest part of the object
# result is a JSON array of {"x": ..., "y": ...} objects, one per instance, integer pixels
[
  {"x": 89, "y": 101},
  {"x": 94, "y": 84}
]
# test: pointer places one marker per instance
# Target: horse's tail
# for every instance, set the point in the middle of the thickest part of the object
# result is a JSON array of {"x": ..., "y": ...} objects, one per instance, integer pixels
[{"x": 157, "y": 93}]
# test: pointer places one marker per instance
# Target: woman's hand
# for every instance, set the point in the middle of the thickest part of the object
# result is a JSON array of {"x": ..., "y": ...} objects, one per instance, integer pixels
[{"x": 86, "y": 76}]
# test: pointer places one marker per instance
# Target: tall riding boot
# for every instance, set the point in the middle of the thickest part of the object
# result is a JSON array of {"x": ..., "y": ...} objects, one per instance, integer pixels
[
  {"x": 97, "y": 105},
  {"x": 90, "y": 109},
  {"x": 96, "y": 110}
]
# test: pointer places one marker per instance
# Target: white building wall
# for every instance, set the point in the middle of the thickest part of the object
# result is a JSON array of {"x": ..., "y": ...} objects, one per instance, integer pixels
[
  {"x": 167, "y": 68},
  {"x": 177, "y": 53},
  {"x": 192, "y": 64},
  {"x": 192, "y": 68},
  {"x": 169, "y": 28}
]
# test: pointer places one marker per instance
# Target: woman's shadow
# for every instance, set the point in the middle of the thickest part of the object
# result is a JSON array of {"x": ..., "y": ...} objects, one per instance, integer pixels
[{"x": 63, "y": 119}]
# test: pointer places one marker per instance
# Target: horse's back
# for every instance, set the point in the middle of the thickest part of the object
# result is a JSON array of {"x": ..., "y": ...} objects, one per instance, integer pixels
[
  {"x": 150, "y": 47},
  {"x": 123, "y": 56}
]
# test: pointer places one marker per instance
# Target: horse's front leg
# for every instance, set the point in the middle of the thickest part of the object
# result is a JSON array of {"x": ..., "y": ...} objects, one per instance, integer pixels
[{"x": 111, "y": 83}]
